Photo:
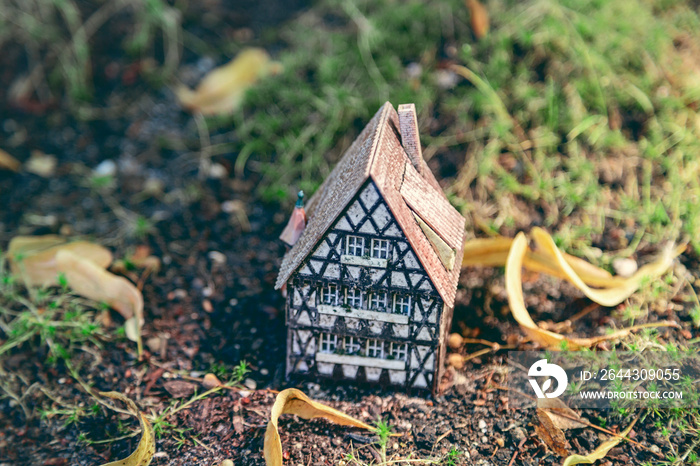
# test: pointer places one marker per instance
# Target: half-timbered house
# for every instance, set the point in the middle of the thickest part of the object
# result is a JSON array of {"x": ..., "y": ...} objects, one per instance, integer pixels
[{"x": 371, "y": 280}]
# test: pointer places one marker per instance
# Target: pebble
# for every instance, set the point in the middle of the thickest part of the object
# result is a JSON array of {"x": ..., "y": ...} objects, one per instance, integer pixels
[
  {"x": 106, "y": 168},
  {"x": 483, "y": 426},
  {"x": 624, "y": 267},
  {"x": 264, "y": 371},
  {"x": 250, "y": 384},
  {"x": 217, "y": 257},
  {"x": 217, "y": 171},
  {"x": 227, "y": 463},
  {"x": 500, "y": 442}
]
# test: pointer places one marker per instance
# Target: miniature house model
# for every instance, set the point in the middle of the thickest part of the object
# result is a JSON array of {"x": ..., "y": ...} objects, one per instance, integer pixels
[{"x": 371, "y": 279}]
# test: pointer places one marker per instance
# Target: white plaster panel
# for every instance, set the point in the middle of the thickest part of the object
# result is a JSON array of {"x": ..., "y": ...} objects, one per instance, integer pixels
[
  {"x": 417, "y": 315},
  {"x": 296, "y": 297},
  {"x": 415, "y": 278},
  {"x": 302, "y": 366},
  {"x": 420, "y": 381},
  {"x": 411, "y": 261},
  {"x": 325, "y": 320},
  {"x": 381, "y": 216},
  {"x": 315, "y": 265},
  {"x": 332, "y": 237},
  {"x": 373, "y": 373},
  {"x": 296, "y": 348},
  {"x": 400, "y": 330},
  {"x": 354, "y": 272},
  {"x": 415, "y": 363},
  {"x": 398, "y": 279},
  {"x": 424, "y": 335},
  {"x": 369, "y": 195},
  {"x": 430, "y": 363},
  {"x": 343, "y": 224},
  {"x": 422, "y": 351},
  {"x": 352, "y": 324},
  {"x": 368, "y": 228},
  {"x": 377, "y": 275},
  {"x": 376, "y": 327},
  {"x": 355, "y": 213},
  {"x": 325, "y": 368},
  {"x": 322, "y": 250},
  {"x": 349, "y": 371},
  {"x": 397, "y": 377},
  {"x": 393, "y": 231},
  {"x": 305, "y": 270},
  {"x": 303, "y": 318},
  {"x": 332, "y": 271}
]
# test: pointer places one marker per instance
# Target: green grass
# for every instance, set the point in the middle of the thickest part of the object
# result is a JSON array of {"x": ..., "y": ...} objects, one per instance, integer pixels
[{"x": 582, "y": 112}]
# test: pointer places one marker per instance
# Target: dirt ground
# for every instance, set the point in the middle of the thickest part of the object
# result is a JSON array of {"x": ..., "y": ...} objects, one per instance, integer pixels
[{"x": 212, "y": 305}]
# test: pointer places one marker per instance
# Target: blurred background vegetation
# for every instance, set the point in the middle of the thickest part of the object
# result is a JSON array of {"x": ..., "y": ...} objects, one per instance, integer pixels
[{"x": 577, "y": 115}]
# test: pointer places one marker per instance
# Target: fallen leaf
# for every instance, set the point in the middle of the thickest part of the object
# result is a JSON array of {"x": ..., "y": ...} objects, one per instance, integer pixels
[
  {"x": 550, "y": 434},
  {"x": 33, "y": 258},
  {"x": 8, "y": 162},
  {"x": 293, "y": 401},
  {"x": 89, "y": 280},
  {"x": 515, "y": 254},
  {"x": 601, "y": 451},
  {"x": 221, "y": 91},
  {"x": 179, "y": 388},
  {"x": 479, "y": 18},
  {"x": 560, "y": 414},
  {"x": 46, "y": 260},
  {"x": 143, "y": 455}
]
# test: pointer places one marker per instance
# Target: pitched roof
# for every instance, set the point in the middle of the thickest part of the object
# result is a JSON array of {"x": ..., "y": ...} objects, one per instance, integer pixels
[{"x": 377, "y": 154}]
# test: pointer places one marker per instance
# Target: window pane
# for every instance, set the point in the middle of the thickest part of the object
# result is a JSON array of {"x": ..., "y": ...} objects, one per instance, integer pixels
[
  {"x": 378, "y": 301},
  {"x": 380, "y": 248},
  {"x": 402, "y": 304},
  {"x": 330, "y": 294},
  {"x": 355, "y": 298},
  {"x": 355, "y": 246}
]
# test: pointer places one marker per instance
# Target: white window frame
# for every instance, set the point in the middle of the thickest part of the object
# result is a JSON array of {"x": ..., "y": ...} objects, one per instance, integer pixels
[
  {"x": 375, "y": 304},
  {"x": 400, "y": 301},
  {"x": 399, "y": 351},
  {"x": 375, "y": 348},
  {"x": 327, "y": 343},
  {"x": 380, "y": 248},
  {"x": 355, "y": 244},
  {"x": 355, "y": 293},
  {"x": 330, "y": 291},
  {"x": 352, "y": 345}
]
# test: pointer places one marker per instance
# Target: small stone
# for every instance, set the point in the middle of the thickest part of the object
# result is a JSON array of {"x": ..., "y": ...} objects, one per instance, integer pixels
[
  {"x": 500, "y": 442},
  {"x": 250, "y": 384},
  {"x": 624, "y": 267},
  {"x": 455, "y": 360},
  {"x": 217, "y": 171},
  {"x": 207, "y": 306},
  {"x": 483, "y": 426},
  {"x": 227, "y": 463},
  {"x": 211, "y": 381},
  {"x": 41, "y": 164},
  {"x": 153, "y": 344},
  {"x": 217, "y": 257},
  {"x": 264, "y": 371},
  {"x": 455, "y": 341},
  {"x": 484, "y": 439},
  {"x": 105, "y": 168}
]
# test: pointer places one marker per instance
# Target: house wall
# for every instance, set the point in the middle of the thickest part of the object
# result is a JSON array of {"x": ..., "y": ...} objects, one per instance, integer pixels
[{"x": 401, "y": 274}]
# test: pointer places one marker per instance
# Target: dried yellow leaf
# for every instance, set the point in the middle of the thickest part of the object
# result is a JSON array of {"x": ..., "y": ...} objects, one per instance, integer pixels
[
  {"x": 33, "y": 258},
  {"x": 221, "y": 91},
  {"x": 548, "y": 259},
  {"x": 293, "y": 401},
  {"x": 601, "y": 451},
  {"x": 143, "y": 455},
  {"x": 8, "y": 162}
]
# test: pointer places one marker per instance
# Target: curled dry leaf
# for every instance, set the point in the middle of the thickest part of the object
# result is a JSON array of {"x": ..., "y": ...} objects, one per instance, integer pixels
[
  {"x": 479, "y": 18},
  {"x": 293, "y": 401},
  {"x": 96, "y": 283},
  {"x": 33, "y": 258},
  {"x": 7, "y": 162},
  {"x": 601, "y": 451},
  {"x": 221, "y": 91},
  {"x": 515, "y": 254},
  {"x": 561, "y": 415},
  {"x": 146, "y": 448},
  {"x": 550, "y": 434},
  {"x": 40, "y": 260}
]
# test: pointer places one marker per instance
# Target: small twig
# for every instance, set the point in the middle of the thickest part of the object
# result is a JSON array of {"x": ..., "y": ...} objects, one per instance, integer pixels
[{"x": 515, "y": 455}]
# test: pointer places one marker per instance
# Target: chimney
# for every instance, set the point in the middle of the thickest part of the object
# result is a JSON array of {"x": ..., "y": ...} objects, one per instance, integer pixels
[{"x": 410, "y": 139}]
